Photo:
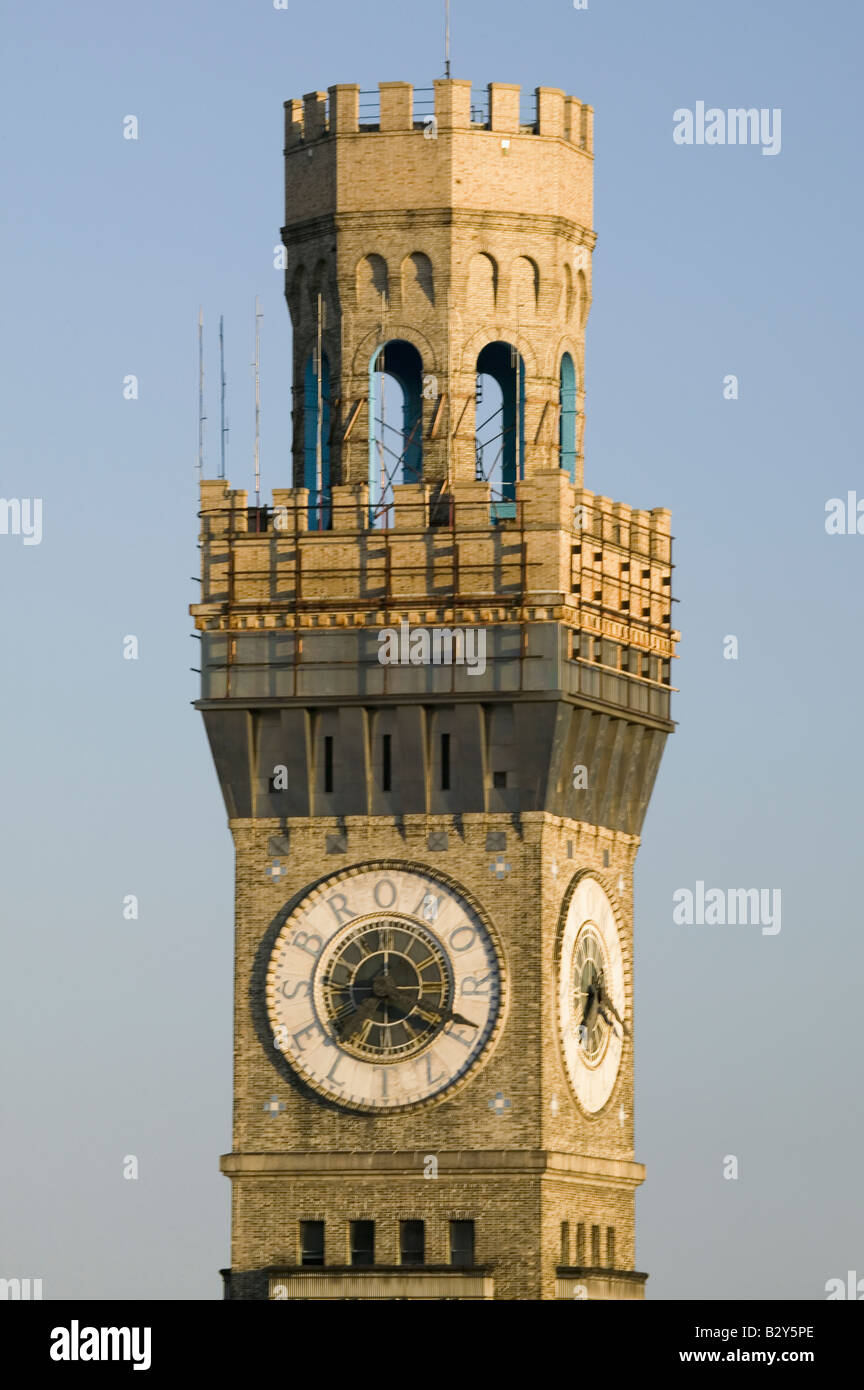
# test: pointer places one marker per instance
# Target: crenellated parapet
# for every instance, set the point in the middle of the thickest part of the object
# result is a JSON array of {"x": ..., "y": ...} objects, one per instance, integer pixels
[
  {"x": 571, "y": 592},
  {"x": 454, "y": 105}
]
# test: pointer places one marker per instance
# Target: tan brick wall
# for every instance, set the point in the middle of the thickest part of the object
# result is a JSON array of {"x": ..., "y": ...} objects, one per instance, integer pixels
[{"x": 525, "y": 1063}]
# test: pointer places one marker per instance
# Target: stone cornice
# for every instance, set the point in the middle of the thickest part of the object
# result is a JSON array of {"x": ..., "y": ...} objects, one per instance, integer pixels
[
  {"x": 473, "y": 219},
  {"x": 488, "y": 1163}
]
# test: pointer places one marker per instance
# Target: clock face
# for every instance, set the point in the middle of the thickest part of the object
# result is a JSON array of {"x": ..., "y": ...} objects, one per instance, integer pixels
[
  {"x": 384, "y": 987},
  {"x": 591, "y": 997}
]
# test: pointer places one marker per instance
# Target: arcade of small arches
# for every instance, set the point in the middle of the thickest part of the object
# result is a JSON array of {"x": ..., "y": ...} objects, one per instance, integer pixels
[
  {"x": 485, "y": 286},
  {"x": 397, "y": 388},
  {"x": 398, "y": 382}
]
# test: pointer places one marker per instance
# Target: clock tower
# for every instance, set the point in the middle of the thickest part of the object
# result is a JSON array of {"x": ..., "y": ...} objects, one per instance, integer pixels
[{"x": 436, "y": 684}]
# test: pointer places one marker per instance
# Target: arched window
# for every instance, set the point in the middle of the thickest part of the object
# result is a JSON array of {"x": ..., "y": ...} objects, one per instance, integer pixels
[
  {"x": 525, "y": 277},
  {"x": 296, "y": 295},
  {"x": 500, "y": 424},
  {"x": 582, "y": 297},
  {"x": 482, "y": 284},
  {"x": 567, "y": 304},
  {"x": 395, "y": 422},
  {"x": 373, "y": 281},
  {"x": 316, "y": 441},
  {"x": 418, "y": 282},
  {"x": 567, "y": 417}
]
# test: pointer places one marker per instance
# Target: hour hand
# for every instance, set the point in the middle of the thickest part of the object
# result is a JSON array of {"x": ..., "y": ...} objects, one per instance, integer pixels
[{"x": 355, "y": 1021}]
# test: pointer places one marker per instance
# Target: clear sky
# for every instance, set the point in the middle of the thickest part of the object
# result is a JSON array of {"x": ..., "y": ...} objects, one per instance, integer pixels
[{"x": 115, "y": 1034}]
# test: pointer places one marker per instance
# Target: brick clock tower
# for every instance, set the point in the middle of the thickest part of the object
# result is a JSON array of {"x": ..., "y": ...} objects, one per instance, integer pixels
[{"x": 436, "y": 683}]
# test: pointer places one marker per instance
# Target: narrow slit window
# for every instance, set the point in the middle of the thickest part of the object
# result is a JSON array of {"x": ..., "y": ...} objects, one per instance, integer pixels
[
  {"x": 412, "y": 1242},
  {"x": 328, "y": 763},
  {"x": 580, "y": 1243},
  {"x": 386, "y": 764},
  {"x": 362, "y": 1242},
  {"x": 610, "y": 1246},
  {"x": 311, "y": 1242},
  {"x": 595, "y": 1245},
  {"x": 445, "y": 762},
  {"x": 565, "y": 1242},
  {"x": 462, "y": 1243}
]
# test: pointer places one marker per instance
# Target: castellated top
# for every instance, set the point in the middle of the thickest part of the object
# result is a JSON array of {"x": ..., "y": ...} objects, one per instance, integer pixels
[{"x": 456, "y": 147}]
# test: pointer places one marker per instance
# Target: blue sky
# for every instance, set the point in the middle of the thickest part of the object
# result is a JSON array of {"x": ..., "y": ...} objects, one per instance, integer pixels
[{"x": 710, "y": 260}]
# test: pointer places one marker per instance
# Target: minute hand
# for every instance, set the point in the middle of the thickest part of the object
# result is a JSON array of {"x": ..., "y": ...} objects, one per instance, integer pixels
[{"x": 407, "y": 1002}]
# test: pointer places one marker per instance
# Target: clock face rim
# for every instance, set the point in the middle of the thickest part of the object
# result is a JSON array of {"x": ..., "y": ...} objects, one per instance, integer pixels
[
  {"x": 315, "y": 890},
  {"x": 613, "y": 1043}
]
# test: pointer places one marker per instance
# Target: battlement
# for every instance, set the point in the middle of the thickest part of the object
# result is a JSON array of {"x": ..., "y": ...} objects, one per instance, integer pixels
[
  {"x": 566, "y": 555},
  {"x": 449, "y": 105},
  {"x": 448, "y": 147}
]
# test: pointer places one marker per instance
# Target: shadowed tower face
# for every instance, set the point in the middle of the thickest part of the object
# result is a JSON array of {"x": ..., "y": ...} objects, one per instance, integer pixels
[{"x": 436, "y": 682}]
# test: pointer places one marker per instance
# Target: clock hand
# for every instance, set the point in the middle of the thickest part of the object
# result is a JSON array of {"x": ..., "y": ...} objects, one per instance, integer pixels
[
  {"x": 607, "y": 1004},
  {"x": 355, "y": 1022},
  {"x": 604, "y": 1002},
  {"x": 589, "y": 1013},
  {"x": 406, "y": 1001},
  {"x": 451, "y": 1017}
]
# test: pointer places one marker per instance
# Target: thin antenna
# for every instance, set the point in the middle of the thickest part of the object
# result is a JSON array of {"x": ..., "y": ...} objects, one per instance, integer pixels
[
  {"x": 258, "y": 317},
  {"x": 319, "y": 454},
  {"x": 447, "y": 38},
  {"x": 224, "y": 427},
  {"x": 201, "y": 415}
]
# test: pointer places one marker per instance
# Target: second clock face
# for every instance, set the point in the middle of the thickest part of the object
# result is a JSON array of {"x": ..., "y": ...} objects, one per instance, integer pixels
[
  {"x": 591, "y": 1002},
  {"x": 383, "y": 988}
]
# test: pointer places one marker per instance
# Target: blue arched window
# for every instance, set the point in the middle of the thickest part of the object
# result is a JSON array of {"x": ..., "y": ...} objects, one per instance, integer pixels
[
  {"x": 567, "y": 418},
  {"x": 395, "y": 424},
  {"x": 316, "y": 442},
  {"x": 500, "y": 424}
]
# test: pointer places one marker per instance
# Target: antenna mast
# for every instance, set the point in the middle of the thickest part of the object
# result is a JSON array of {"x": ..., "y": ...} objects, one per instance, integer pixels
[
  {"x": 201, "y": 415},
  {"x": 224, "y": 427},
  {"x": 258, "y": 317},
  {"x": 447, "y": 38}
]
